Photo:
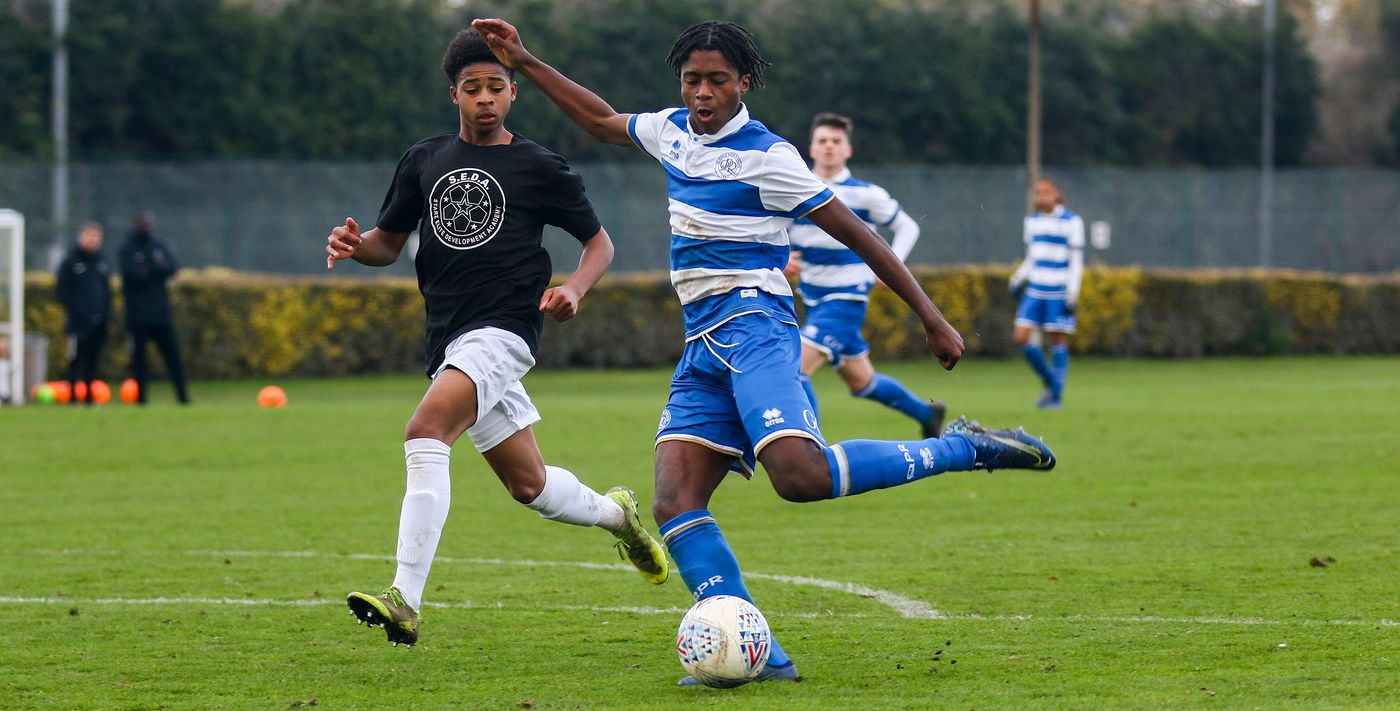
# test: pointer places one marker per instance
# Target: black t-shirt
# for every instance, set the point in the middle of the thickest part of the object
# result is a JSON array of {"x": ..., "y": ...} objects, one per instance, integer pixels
[{"x": 480, "y": 212}]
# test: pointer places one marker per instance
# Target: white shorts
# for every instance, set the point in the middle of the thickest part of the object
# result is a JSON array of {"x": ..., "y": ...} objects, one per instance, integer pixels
[{"x": 496, "y": 360}]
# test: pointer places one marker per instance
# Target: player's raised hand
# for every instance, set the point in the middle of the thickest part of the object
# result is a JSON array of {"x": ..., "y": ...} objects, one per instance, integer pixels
[
  {"x": 504, "y": 41},
  {"x": 945, "y": 342},
  {"x": 560, "y": 302},
  {"x": 342, "y": 242}
]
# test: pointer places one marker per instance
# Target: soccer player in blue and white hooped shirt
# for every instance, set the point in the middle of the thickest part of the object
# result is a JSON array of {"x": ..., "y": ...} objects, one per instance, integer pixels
[
  {"x": 735, "y": 398},
  {"x": 1048, "y": 284},
  {"x": 835, "y": 282}
]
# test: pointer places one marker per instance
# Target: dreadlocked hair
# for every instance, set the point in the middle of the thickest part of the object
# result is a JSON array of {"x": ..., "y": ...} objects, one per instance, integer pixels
[{"x": 727, "y": 38}]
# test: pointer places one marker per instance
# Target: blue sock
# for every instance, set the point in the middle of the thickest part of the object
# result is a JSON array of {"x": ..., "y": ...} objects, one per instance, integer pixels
[
  {"x": 1036, "y": 358},
  {"x": 1059, "y": 357},
  {"x": 891, "y": 393},
  {"x": 806, "y": 381},
  {"x": 862, "y": 465},
  {"x": 707, "y": 565}
]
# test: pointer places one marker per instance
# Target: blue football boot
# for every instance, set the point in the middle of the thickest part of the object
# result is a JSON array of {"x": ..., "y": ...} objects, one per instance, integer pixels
[{"x": 1002, "y": 449}]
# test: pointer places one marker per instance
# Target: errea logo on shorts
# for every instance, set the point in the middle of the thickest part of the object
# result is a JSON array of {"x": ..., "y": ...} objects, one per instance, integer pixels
[
  {"x": 773, "y": 417},
  {"x": 665, "y": 420}
]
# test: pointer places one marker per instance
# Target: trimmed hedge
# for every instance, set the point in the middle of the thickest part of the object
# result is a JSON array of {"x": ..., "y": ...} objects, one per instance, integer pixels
[{"x": 234, "y": 324}]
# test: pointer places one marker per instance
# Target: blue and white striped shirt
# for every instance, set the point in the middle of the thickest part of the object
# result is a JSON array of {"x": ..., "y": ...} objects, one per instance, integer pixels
[
  {"x": 1054, "y": 249},
  {"x": 830, "y": 270},
  {"x": 733, "y": 195}
]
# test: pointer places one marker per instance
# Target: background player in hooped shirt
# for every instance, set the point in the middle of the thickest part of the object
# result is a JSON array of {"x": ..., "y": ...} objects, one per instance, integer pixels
[
  {"x": 1048, "y": 284},
  {"x": 835, "y": 284},
  {"x": 480, "y": 198},
  {"x": 734, "y": 188}
]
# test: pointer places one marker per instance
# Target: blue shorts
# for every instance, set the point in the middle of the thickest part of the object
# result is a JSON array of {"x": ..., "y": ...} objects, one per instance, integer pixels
[
  {"x": 1045, "y": 314},
  {"x": 736, "y": 389},
  {"x": 833, "y": 327}
]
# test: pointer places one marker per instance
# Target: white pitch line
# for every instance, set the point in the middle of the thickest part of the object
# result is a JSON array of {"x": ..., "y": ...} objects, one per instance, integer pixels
[
  {"x": 905, "y": 606},
  {"x": 468, "y": 605}
]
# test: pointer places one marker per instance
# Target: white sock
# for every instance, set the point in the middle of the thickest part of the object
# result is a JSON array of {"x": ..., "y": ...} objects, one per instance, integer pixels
[
  {"x": 565, "y": 498},
  {"x": 425, "y": 505}
]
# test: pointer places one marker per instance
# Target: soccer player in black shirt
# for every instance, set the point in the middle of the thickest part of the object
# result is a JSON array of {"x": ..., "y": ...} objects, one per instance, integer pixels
[{"x": 479, "y": 199}]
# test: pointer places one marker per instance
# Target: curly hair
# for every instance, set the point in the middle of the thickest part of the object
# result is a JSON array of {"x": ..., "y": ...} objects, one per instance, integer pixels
[
  {"x": 727, "y": 38},
  {"x": 466, "y": 49}
]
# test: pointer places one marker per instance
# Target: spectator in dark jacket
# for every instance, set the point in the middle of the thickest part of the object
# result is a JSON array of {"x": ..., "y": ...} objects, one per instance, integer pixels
[
  {"x": 146, "y": 266},
  {"x": 85, "y": 291}
]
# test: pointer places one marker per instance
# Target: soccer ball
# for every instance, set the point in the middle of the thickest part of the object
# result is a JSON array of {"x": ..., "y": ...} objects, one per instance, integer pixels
[{"x": 724, "y": 641}]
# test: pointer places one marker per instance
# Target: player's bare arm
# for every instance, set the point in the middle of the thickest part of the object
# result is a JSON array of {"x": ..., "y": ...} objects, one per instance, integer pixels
[
  {"x": 376, "y": 248},
  {"x": 839, "y": 222},
  {"x": 586, "y": 109},
  {"x": 561, "y": 302}
]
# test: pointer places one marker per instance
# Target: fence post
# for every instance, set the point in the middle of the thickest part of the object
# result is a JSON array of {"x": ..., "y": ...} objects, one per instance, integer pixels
[
  {"x": 1338, "y": 221},
  {"x": 1187, "y": 236}
]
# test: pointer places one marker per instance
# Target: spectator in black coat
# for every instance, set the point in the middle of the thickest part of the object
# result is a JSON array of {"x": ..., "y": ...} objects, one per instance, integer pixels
[
  {"x": 85, "y": 290},
  {"x": 146, "y": 266}
]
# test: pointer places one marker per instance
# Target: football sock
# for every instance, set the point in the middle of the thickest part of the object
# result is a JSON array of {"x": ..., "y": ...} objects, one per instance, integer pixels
[
  {"x": 1059, "y": 357},
  {"x": 566, "y": 499},
  {"x": 862, "y": 465},
  {"x": 1036, "y": 358},
  {"x": 891, "y": 393},
  {"x": 707, "y": 565},
  {"x": 425, "y": 506},
  {"x": 806, "y": 381}
]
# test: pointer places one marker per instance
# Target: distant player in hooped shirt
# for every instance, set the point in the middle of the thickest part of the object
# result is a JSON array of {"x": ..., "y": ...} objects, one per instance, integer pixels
[
  {"x": 479, "y": 198},
  {"x": 1048, "y": 284},
  {"x": 835, "y": 283},
  {"x": 734, "y": 188}
]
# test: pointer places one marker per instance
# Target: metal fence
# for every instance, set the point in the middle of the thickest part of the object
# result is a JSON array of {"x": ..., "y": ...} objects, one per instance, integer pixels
[{"x": 273, "y": 216}]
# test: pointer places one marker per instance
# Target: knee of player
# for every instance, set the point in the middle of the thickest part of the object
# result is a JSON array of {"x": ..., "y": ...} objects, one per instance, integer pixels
[
  {"x": 800, "y": 480},
  {"x": 524, "y": 492},
  {"x": 803, "y": 488},
  {"x": 666, "y": 505},
  {"x": 422, "y": 427}
]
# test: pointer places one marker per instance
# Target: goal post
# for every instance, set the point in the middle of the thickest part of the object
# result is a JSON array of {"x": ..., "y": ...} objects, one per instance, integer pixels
[{"x": 12, "y": 295}]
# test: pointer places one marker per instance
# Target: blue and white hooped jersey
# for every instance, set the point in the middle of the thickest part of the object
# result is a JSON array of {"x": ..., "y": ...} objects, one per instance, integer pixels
[
  {"x": 733, "y": 195},
  {"x": 830, "y": 270},
  {"x": 1049, "y": 239}
]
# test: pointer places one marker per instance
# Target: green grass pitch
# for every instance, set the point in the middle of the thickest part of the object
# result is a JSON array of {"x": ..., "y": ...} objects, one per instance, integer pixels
[{"x": 198, "y": 558}]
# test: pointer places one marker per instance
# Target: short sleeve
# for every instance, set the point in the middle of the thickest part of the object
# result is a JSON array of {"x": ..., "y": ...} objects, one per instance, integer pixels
[
  {"x": 1026, "y": 234},
  {"x": 787, "y": 185},
  {"x": 645, "y": 130},
  {"x": 566, "y": 206},
  {"x": 1076, "y": 232},
  {"x": 883, "y": 208},
  {"x": 403, "y": 204}
]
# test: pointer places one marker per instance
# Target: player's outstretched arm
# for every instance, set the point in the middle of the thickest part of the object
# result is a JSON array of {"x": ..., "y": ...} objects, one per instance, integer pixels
[
  {"x": 839, "y": 222},
  {"x": 583, "y": 106},
  {"x": 561, "y": 302},
  {"x": 376, "y": 248}
]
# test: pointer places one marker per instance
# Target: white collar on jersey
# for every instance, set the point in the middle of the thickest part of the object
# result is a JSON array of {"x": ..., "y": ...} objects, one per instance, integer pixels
[
  {"x": 740, "y": 119},
  {"x": 840, "y": 177},
  {"x": 1058, "y": 211}
]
